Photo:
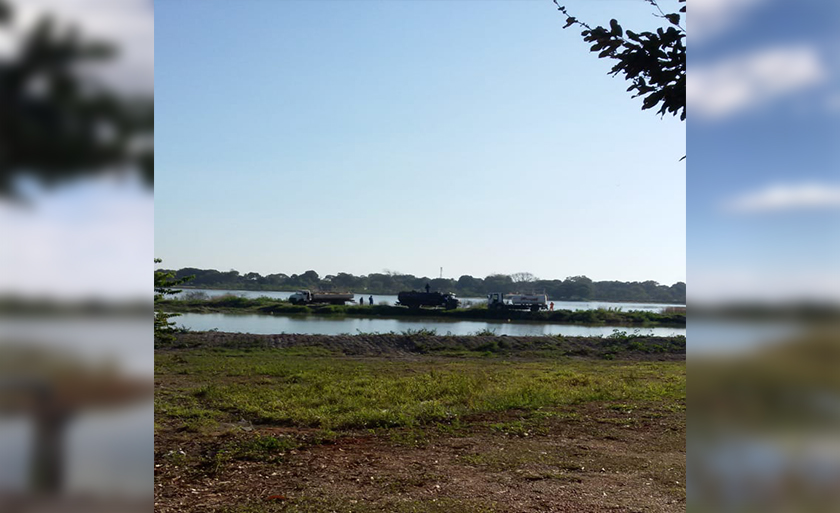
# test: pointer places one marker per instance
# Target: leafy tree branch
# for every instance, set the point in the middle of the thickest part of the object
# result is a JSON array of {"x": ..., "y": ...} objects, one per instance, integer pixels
[
  {"x": 653, "y": 62},
  {"x": 58, "y": 122},
  {"x": 164, "y": 283}
]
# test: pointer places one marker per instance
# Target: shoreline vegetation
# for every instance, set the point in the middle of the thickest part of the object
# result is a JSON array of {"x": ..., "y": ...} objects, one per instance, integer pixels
[
  {"x": 573, "y": 288},
  {"x": 672, "y": 317},
  {"x": 674, "y": 304}
]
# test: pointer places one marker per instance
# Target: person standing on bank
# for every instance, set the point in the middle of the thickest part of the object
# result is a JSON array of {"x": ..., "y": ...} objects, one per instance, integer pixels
[
  {"x": 361, "y": 301},
  {"x": 370, "y": 300}
]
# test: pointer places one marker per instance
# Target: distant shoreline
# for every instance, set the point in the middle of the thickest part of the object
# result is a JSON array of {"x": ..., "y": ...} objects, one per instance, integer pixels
[
  {"x": 269, "y": 306},
  {"x": 366, "y": 292}
]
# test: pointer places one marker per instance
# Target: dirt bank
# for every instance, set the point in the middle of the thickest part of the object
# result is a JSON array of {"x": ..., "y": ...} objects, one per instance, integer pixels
[{"x": 613, "y": 347}]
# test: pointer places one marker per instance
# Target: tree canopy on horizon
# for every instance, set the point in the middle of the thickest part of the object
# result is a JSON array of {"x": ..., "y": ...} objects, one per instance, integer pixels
[{"x": 572, "y": 288}]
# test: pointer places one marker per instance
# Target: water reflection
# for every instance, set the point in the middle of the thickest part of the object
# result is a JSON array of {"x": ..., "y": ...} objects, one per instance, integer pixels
[
  {"x": 731, "y": 336},
  {"x": 105, "y": 432},
  {"x": 320, "y": 325},
  {"x": 765, "y": 418}
]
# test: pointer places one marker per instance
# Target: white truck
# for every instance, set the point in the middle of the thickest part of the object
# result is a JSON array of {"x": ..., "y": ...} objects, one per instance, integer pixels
[
  {"x": 533, "y": 302},
  {"x": 305, "y": 297}
]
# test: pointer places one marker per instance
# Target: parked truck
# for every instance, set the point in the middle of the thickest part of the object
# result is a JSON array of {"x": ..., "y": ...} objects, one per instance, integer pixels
[
  {"x": 533, "y": 302},
  {"x": 414, "y": 299},
  {"x": 305, "y": 297}
]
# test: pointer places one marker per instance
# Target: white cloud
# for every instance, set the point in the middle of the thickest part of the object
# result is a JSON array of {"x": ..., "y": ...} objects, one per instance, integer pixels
[
  {"x": 711, "y": 18},
  {"x": 787, "y": 197},
  {"x": 742, "y": 82}
]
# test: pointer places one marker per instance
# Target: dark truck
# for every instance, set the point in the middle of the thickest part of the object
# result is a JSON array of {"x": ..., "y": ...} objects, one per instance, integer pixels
[{"x": 414, "y": 299}]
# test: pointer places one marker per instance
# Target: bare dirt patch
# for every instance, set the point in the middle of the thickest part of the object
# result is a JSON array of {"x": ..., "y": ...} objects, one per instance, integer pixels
[
  {"x": 569, "y": 465},
  {"x": 618, "y": 445}
]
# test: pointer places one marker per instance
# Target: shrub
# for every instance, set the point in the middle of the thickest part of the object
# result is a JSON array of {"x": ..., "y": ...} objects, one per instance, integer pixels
[
  {"x": 422, "y": 332},
  {"x": 491, "y": 346},
  {"x": 195, "y": 295}
]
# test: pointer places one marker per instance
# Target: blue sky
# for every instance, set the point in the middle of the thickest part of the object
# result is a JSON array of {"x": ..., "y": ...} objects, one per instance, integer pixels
[
  {"x": 361, "y": 136},
  {"x": 763, "y": 207}
]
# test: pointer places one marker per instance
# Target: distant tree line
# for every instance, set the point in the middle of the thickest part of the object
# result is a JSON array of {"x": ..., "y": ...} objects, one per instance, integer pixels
[{"x": 574, "y": 288}]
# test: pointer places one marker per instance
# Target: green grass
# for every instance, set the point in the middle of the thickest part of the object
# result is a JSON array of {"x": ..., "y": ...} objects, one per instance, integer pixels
[
  {"x": 237, "y": 413},
  {"x": 284, "y": 388},
  {"x": 260, "y": 448}
]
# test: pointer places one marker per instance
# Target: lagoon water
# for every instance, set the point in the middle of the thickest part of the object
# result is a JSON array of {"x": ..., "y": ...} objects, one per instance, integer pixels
[
  {"x": 466, "y": 301},
  {"x": 109, "y": 452},
  {"x": 331, "y": 325},
  {"x": 729, "y": 337},
  {"x": 323, "y": 325}
]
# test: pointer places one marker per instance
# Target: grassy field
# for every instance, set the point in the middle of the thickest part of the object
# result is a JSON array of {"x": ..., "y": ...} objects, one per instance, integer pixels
[
  {"x": 270, "y": 306},
  {"x": 249, "y": 428}
]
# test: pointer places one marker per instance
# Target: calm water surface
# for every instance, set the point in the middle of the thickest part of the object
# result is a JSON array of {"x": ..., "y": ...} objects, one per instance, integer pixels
[{"x": 323, "y": 325}]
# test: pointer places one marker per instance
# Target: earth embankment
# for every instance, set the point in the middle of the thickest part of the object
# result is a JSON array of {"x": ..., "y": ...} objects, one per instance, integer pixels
[{"x": 617, "y": 346}]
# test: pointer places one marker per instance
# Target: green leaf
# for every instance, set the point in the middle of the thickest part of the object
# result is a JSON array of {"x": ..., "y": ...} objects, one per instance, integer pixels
[{"x": 616, "y": 28}]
